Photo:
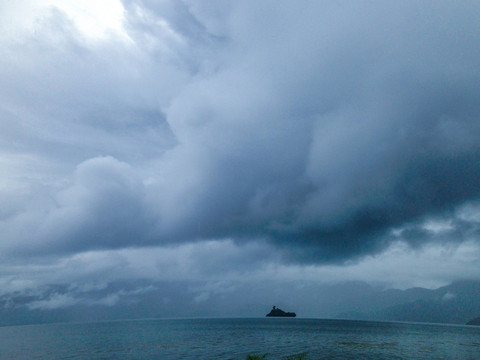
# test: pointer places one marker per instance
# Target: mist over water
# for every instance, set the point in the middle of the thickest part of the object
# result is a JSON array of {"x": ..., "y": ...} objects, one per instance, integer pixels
[{"x": 237, "y": 338}]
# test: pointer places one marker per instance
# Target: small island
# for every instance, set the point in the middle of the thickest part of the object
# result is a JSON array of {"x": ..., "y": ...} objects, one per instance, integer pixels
[{"x": 276, "y": 312}]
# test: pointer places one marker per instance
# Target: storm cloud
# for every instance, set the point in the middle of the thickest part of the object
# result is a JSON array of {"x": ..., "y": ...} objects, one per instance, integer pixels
[{"x": 321, "y": 132}]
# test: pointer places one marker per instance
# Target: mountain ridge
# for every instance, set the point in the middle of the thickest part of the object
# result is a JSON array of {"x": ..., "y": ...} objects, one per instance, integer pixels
[{"x": 457, "y": 303}]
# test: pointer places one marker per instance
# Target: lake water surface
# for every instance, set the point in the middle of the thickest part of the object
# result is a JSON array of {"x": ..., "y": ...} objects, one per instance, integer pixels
[{"x": 236, "y": 338}]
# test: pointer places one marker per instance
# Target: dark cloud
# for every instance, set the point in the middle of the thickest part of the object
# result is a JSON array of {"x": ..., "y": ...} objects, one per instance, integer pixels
[
  {"x": 346, "y": 129},
  {"x": 317, "y": 127}
]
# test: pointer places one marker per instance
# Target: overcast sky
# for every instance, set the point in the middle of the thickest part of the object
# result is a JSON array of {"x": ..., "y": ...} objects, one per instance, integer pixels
[{"x": 238, "y": 142}]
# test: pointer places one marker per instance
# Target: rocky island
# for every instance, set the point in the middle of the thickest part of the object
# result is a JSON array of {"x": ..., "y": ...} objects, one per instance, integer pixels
[{"x": 276, "y": 312}]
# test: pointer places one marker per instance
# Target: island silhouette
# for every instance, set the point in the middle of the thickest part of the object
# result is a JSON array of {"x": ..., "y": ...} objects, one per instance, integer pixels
[{"x": 276, "y": 312}]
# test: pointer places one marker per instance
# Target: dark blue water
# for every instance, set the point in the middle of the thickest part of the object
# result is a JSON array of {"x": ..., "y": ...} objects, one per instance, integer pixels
[{"x": 237, "y": 338}]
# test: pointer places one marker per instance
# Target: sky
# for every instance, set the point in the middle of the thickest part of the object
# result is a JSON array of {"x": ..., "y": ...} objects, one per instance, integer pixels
[{"x": 222, "y": 145}]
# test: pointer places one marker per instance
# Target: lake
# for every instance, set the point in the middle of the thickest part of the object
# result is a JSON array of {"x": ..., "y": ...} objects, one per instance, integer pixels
[{"x": 235, "y": 338}]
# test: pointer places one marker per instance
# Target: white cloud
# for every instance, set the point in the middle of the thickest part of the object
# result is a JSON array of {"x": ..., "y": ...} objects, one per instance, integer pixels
[
  {"x": 94, "y": 20},
  {"x": 448, "y": 296},
  {"x": 56, "y": 301}
]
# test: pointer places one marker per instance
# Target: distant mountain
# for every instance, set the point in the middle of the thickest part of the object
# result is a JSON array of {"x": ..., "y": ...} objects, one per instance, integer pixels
[
  {"x": 475, "y": 321},
  {"x": 457, "y": 303}
]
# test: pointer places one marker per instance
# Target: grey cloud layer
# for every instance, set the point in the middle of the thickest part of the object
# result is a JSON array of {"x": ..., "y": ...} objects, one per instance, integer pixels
[{"x": 319, "y": 127}]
